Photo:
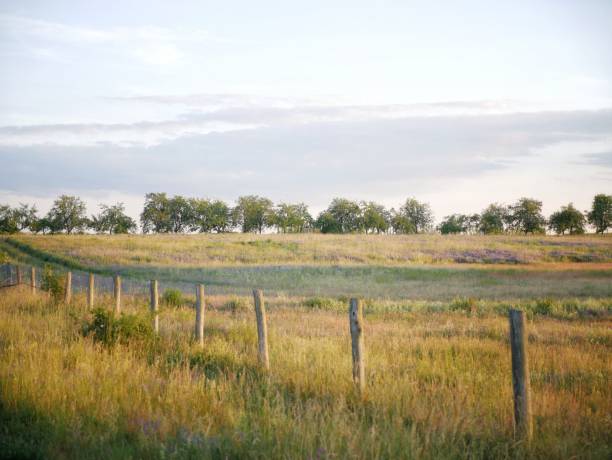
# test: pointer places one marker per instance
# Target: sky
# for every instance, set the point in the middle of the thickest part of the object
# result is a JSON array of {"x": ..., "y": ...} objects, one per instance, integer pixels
[{"x": 456, "y": 103}]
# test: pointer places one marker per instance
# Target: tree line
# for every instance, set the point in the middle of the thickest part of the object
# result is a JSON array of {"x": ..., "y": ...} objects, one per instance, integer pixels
[{"x": 256, "y": 214}]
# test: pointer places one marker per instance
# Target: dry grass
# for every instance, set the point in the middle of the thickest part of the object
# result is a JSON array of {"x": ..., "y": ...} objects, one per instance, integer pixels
[{"x": 438, "y": 386}]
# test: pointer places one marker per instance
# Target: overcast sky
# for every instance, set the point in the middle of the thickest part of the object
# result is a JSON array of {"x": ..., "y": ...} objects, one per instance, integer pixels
[{"x": 457, "y": 103}]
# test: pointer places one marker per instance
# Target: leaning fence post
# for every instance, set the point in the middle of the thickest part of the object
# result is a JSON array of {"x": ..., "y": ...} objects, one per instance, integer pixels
[
  {"x": 90, "y": 292},
  {"x": 520, "y": 376},
  {"x": 262, "y": 328},
  {"x": 18, "y": 271},
  {"x": 356, "y": 327},
  {"x": 200, "y": 309},
  {"x": 68, "y": 288},
  {"x": 117, "y": 292},
  {"x": 155, "y": 305},
  {"x": 33, "y": 280}
]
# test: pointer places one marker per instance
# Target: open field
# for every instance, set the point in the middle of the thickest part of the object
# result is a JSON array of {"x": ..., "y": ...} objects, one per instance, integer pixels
[{"x": 438, "y": 386}]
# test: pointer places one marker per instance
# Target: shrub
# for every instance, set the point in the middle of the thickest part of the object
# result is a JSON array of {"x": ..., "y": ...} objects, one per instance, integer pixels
[
  {"x": 544, "y": 307},
  {"x": 237, "y": 305},
  {"x": 109, "y": 330},
  {"x": 53, "y": 283},
  {"x": 323, "y": 303},
  {"x": 173, "y": 298},
  {"x": 467, "y": 305}
]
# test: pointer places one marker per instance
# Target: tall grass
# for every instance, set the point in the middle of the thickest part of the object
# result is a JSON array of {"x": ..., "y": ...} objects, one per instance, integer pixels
[{"x": 438, "y": 385}]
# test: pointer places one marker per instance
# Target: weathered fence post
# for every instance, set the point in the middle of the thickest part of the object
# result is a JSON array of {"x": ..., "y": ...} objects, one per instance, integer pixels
[
  {"x": 117, "y": 292},
  {"x": 68, "y": 288},
  {"x": 90, "y": 292},
  {"x": 262, "y": 328},
  {"x": 356, "y": 326},
  {"x": 155, "y": 305},
  {"x": 18, "y": 271},
  {"x": 520, "y": 376},
  {"x": 33, "y": 280},
  {"x": 200, "y": 309}
]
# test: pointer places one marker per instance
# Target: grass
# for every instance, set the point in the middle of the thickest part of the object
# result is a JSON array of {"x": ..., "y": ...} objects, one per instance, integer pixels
[{"x": 438, "y": 382}]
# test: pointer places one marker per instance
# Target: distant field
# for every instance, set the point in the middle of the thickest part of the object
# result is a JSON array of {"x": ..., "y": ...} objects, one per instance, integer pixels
[{"x": 421, "y": 267}]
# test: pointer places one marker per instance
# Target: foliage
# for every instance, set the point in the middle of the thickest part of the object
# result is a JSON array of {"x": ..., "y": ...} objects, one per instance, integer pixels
[
  {"x": 209, "y": 216},
  {"x": 106, "y": 328},
  {"x": 413, "y": 217},
  {"x": 459, "y": 223},
  {"x": 112, "y": 219},
  {"x": 342, "y": 216},
  {"x": 14, "y": 220},
  {"x": 525, "y": 216},
  {"x": 600, "y": 215},
  {"x": 173, "y": 298},
  {"x": 53, "y": 282},
  {"x": 155, "y": 216},
  {"x": 292, "y": 218},
  {"x": 493, "y": 219},
  {"x": 67, "y": 215},
  {"x": 375, "y": 217},
  {"x": 253, "y": 214},
  {"x": 567, "y": 219},
  {"x": 325, "y": 303}
]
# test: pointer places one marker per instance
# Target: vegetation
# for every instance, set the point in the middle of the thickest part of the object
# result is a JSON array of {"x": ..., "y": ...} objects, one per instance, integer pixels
[
  {"x": 600, "y": 215},
  {"x": 568, "y": 219}
]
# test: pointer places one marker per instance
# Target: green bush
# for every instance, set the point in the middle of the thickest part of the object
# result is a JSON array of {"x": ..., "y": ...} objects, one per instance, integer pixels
[
  {"x": 173, "y": 298},
  {"x": 110, "y": 330},
  {"x": 467, "y": 305},
  {"x": 544, "y": 307},
  {"x": 53, "y": 282},
  {"x": 324, "y": 303},
  {"x": 237, "y": 305}
]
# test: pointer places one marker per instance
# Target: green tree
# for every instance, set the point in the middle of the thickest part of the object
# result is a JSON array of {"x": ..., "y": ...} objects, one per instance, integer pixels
[
  {"x": 292, "y": 218},
  {"x": 112, "y": 219},
  {"x": 568, "y": 219},
  {"x": 210, "y": 216},
  {"x": 525, "y": 216},
  {"x": 455, "y": 223},
  {"x": 253, "y": 213},
  {"x": 375, "y": 217},
  {"x": 8, "y": 223},
  {"x": 14, "y": 220},
  {"x": 155, "y": 216},
  {"x": 67, "y": 215},
  {"x": 600, "y": 215},
  {"x": 413, "y": 217},
  {"x": 493, "y": 219},
  {"x": 342, "y": 216},
  {"x": 180, "y": 213}
]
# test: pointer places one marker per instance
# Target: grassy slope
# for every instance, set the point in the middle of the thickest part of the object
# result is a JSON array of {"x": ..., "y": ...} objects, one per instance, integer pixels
[{"x": 438, "y": 387}]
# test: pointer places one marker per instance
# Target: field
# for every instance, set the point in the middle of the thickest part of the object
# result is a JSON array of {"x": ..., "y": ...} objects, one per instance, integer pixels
[{"x": 438, "y": 380}]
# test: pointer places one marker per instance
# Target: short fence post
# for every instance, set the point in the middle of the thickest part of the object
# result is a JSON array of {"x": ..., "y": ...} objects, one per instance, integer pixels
[
  {"x": 356, "y": 327},
  {"x": 68, "y": 288},
  {"x": 262, "y": 328},
  {"x": 18, "y": 271},
  {"x": 117, "y": 292},
  {"x": 520, "y": 376},
  {"x": 155, "y": 305},
  {"x": 200, "y": 309},
  {"x": 90, "y": 292},
  {"x": 33, "y": 280}
]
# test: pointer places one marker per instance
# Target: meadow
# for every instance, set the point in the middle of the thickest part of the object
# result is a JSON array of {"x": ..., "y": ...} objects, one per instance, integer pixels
[{"x": 438, "y": 373}]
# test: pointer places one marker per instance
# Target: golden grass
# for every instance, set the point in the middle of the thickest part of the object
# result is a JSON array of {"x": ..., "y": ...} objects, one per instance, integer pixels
[{"x": 438, "y": 386}]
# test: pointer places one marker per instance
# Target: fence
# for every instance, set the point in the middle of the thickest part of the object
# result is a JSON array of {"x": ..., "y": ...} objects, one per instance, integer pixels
[{"x": 19, "y": 275}]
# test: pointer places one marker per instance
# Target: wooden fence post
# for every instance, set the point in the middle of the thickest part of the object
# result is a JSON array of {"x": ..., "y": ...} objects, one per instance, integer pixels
[
  {"x": 90, "y": 292},
  {"x": 33, "y": 280},
  {"x": 68, "y": 288},
  {"x": 117, "y": 292},
  {"x": 200, "y": 309},
  {"x": 520, "y": 376},
  {"x": 356, "y": 327},
  {"x": 18, "y": 271},
  {"x": 155, "y": 305},
  {"x": 262, "y": 328}
]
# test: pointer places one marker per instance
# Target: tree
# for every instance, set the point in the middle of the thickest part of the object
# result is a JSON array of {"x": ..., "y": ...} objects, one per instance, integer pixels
[
  {"x": 67, "y": 215},
  {"x": 493, "y": 219},
  {"x": 253, "y": 213},
  {"x": 567, "y": 219},
  {"x": 342, "y": 216},
  {"x": 292, "y": 218},
  {"x": 455, "y": 223},
  {"x": 526, "y": 216},
  {"x": 112, "y": 219},
  {"x": 42, "y": 225},
  {"x": 209, "y": 216},
  {"x": 600, "y": 215},
  {"x": 413, "y": 217},
  {"x": 375, "y": 217},
  {"x": 180, "y": 214},
  {"x": 14, "y": 220},
  {"x": 155, "y": 216},
  {"x": 8, "y": 223}
]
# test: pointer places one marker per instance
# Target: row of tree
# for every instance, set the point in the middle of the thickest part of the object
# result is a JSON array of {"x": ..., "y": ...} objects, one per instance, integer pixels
[{"x": 178, "y": 214}]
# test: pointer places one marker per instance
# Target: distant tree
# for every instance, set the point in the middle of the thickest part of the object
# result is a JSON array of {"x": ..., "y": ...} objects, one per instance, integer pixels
[
  {"x": 526, "y": 216},
  {"x": 600, "y": 215},
  {"x": 155, "y": 216},
  {"x": 375, "y": 217},
  {"x": 455, "y": 223},
  {"x": 209, "y": 216},
  {"x": 568, "y": 219},
  {"x": 181, "y": 214},
  {"x": 253, "y": 213},
  {"x": 67, "y": 215},
  {"x": 493, "y": 219},
  {"x": 342, "y": 216},
  {"x": 413, "y": 217},
  {"x": 8, "y": 223},
  {"x": 292, "y": 218},
  {"x": 14, "y": 220},
  {"x": 42, "y": 225},
  {"x": 112, "y": 219}
]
